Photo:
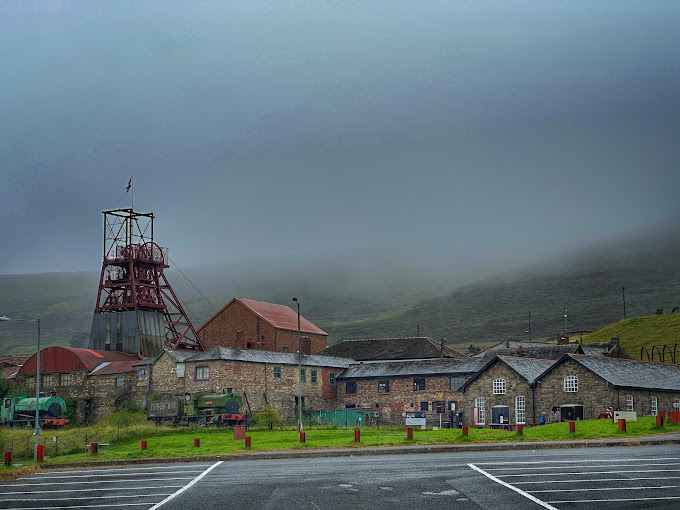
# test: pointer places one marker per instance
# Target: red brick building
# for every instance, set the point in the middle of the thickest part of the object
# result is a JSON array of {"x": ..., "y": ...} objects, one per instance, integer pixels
[{"x": 249, "y": 324}]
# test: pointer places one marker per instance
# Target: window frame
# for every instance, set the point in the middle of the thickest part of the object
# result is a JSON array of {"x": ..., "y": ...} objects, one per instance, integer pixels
[
  {"x": 455, "y": 382},
  {"x": 277, "y": 371},
  {"x": 424, "y": 406},
  {"x": 630, "y": 403},
  {"x": 419, "y": 384},
  {"x": 313, "y": 376},
  {"x": 570, "y": 384},
  {"x": 654, "y": 404},
  {"x": 383, "y": 385},
  {"x": 303, "y": 375},
  {"x": 142, "y": 374},
  {"x": 499, "y": 386},
  {"x": 65, "y": 378},
  {"x": 203, "y": 376},
  {"x": 46, "y": 380},
  {"x": 119, "y": 381},
  {"x": 520, "y": 409},
  {"x": 482, "y": 410},
  {"x": 331, "y": 378},
  {"x": 353, "y": 385}
]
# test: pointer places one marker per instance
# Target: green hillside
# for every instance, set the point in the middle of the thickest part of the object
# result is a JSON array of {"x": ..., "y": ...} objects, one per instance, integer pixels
[{"x": 641, "y": 332}]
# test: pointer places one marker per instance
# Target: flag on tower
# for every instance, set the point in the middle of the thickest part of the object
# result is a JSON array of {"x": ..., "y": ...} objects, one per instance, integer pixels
[{"x": 129, "y": 185}]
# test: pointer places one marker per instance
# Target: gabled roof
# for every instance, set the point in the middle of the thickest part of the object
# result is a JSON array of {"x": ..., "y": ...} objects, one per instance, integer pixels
[
  {"x": 271, "y": 357},
  {"x": 56, "y": 359},
  {"x": 391, "y": 349},
  {"x": 408, "y": 368},
  {"x": 626, "y": 373},
  {"x": 605, "y": 349},
  {"x": 114, "y": 367},
  {"x": 530, "y": 369},
  {"x": 532, "y": 350},
  {"x": 278, "y": 316},
  {"x": 513, "y": 344}
]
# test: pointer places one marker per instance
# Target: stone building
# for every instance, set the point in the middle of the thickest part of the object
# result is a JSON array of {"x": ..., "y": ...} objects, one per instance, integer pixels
[
  {"x": 393, "y": 388},
  {"x": 258, "y": 377},
  {"x": 249, "y": 324},
  {"x": 526, "y": 387}
]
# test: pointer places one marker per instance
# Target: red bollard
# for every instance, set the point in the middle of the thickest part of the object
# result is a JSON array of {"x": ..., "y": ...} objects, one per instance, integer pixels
[
  {"x": 520, "y": 430},
  {"x": 622, "y": 425},
  {"x": 465, "y": 430},
  {"x": 247, "y": 441},
  {"x": 409, "y": 432},
  {"x": 8, "y": 458},
  {"x": 142, "y": 445},
  {"x": 197, "y": 442},
  {"x": 357, "y": 436},
  {"x": 663, "y": 415},
  {"x": 41, "y": 452},
  {"x": 94, "y": 448},
  {"x": 659, "y": 421},
  {"x": 572, "y": 426},
  {"x": 302, "y": 437}
]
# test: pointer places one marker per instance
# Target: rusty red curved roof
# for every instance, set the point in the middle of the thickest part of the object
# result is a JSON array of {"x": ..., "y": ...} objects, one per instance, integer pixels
[{"x": 61, "y": 359}]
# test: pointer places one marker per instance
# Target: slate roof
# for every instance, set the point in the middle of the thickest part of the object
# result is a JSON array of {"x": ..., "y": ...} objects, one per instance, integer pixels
[
  {"x": 532, "y": 350},
  {"x": 278, "y": 316},
  {"x": 390, "y": 349},
  {"x": 530, "y": 369},
  {"x": 604, "y": 349},
  {"x": 629, "y": 373},
  {"x": 406, "y": 368},
  {"x": 271, "y": 357},
  {"x": 511, "y": 344}
]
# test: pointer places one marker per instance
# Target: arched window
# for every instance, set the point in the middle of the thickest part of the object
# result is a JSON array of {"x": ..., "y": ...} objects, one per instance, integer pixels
[
  {"x": 499, "y": 386},
  {"x": 571, "y": 383}
]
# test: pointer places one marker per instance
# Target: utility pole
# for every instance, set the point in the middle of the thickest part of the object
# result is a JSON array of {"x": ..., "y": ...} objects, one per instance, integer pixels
[
  {"x": 623, "y": 290},
  {"x": 565, "y": 321},
  {"x": 529, "y": 326}
]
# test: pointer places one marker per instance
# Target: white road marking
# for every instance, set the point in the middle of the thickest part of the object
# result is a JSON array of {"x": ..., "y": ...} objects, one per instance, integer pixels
[
  {"x": 87, "y": 498},
  {"x": 90, "y": 489},
  {"x": 581, "y": 480},
  {"x": 608, "y": 500},
  {"x": 610, "y": 489},
  {"x": 80, "y": 482},
  {"x": 518, "y": 491},
  {"x": 134, "y": 473},
  {"x": 80, "y": 506},
  {"x": 637, "y": 464},
  {"x": 595, "y": 472},
  {"x": 579, "y": 461},
  {"x": 177, "y": 467},
  {"x": 180, "y": 491}
]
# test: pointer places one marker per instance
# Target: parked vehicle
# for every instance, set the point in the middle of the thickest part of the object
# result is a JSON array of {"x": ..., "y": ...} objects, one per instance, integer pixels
[
  {"x": 20, "y": 411},
  {"x": 202, "y": 408}
]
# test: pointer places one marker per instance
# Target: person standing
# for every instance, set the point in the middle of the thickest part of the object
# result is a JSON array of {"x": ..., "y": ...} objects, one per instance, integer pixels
[
  {"x": 558, "y": 415},
  {"x": 541, "y": 419}
]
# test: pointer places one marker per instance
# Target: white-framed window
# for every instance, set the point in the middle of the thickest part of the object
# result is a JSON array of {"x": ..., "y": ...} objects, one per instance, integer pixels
[
  {"x": 676, "y": 404},
  {"x": 479, "y": 404},
  {"x": 655, "y": 406},
  {"x": 47, "y": 380},
  {"x": 499, "y": 386},
  {"x": 119, "y": 382},
  {"x": 571, "y": 384},
  {"x": 313, "y": 376},
  {"x": 64, "y": 379},
  {"x": 520, "y": 409},
  {"x": 331, "y": 378},
  {"x": 202, "y": 373},
  {"x": 180, "y": 370},
  {"x": 629, "y": 403},
  {"x": 142, "y": 374},
  {"x": 277, "y": 372}
]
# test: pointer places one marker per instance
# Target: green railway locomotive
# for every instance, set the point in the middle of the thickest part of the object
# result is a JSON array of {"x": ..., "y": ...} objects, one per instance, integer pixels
[
  {"x": 202, "y": 408},
  {"x": 20, "y": 411}
]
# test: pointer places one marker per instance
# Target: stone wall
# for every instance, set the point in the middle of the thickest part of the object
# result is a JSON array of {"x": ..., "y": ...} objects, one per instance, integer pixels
[{"x": 401, "y": 397}]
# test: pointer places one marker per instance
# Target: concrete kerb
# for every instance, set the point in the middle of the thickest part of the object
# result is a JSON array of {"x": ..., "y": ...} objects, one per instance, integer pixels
[{"x": 673, "y": 438}]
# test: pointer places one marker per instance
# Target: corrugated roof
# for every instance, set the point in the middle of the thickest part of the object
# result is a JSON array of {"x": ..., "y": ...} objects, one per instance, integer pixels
[
  {"x": 632, "y": 374},
  {"x": 114, "y": 367},
  {"x": 56, "y": 359},
  {"x": 271, "y": 357},
  {"x": 407, "y": 368},
  {"x": 391, "y": 349},
  {"x": 278, "y": 316}
]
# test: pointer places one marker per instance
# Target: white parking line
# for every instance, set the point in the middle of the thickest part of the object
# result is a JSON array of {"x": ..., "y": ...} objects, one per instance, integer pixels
[
  {"x": 504, "y": 484},
  {"x": 178, "y": 467},
  {"x": 637, "y": 464},
  {"x": 90, "y": 489},
  {"x": 177, "y": 493},
  {"x": 575, "y": 473},
  {"x": 582, "y": 480},
  {"x": 610, "y": 489},
  {"x": 51, "y": 507},
  {"x": 579, "y": 461},
  {"x": 80, "y": 482},
  {"x": 134, "y": 473},
  {"x": 608, "y": 500},
  {"x": 87, "y": 498}
]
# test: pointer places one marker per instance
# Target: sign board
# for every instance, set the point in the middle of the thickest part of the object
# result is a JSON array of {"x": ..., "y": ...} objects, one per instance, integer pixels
[
  {"x": 415, "y": 418},
  {"x": 625, "y": 415}
]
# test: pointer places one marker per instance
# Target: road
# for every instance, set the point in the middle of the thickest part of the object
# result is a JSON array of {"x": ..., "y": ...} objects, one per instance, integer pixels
[{"x": 574, "y": 478}]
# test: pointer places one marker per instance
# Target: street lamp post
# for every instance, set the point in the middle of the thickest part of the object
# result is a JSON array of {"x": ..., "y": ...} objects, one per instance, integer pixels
[
  {"x": 36, "y": 431},
  {"x": 299, "y": 371}
]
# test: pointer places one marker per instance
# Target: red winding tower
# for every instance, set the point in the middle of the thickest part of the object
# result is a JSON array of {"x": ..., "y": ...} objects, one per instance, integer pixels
[{"x": 137, "y": 311}]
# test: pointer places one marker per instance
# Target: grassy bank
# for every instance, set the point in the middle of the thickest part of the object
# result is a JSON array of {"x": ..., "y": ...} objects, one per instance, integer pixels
[{"x": 169, "y": 442}]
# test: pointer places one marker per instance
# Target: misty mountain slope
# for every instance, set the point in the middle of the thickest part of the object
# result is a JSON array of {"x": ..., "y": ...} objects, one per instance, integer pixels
[
  {"x": 590, "y": 285},
  {"x": 369, "y": 299}
]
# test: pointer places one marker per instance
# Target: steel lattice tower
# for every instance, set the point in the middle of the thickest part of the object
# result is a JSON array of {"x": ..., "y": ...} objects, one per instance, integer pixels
[{"x": 136, "y": 306}]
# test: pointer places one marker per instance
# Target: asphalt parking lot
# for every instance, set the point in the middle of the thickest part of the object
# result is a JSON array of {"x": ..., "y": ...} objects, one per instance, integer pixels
[
  {"x": 113, "y": 487},
  {"x": 583, "y": 483}
]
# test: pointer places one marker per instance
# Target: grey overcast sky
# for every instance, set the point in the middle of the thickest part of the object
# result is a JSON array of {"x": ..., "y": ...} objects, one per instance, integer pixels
[{"x": 255, "y": 129}]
